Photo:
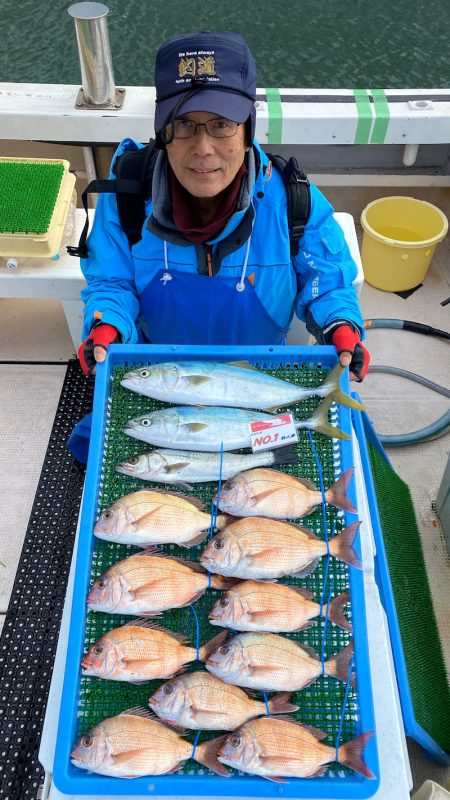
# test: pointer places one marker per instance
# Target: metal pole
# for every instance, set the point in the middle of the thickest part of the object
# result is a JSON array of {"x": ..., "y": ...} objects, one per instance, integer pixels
[{"x": 94, "y": 52}]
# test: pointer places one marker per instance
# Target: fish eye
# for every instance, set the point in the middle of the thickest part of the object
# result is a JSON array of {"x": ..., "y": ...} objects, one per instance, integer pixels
[
  {"x": 224, "y": 601},
  {"x": 97, "y": 649},
  {"x": 88, "y": 740},
  {"x": 235, "y": 740},
  {"x": 107, "y": 514},
  {"x": 225, "y": 649},
  {"x": 102, "y": 583},
  {"x": 133, "y": 460},
  {"x": 168, "y": 689},
  {"x": 146, "y": 422},
  {"x": 219, "y": 543},
  {"x": 144, "y": 373}
]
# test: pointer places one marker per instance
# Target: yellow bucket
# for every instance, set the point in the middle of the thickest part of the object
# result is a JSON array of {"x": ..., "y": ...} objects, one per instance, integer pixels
[{"x": 400, "y": 237}]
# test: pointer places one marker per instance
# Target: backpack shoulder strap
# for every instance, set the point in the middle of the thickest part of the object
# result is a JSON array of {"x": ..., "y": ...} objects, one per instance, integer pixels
[
  {"x": 132, "y": 186},
  {"x": 298, "y": 194}
]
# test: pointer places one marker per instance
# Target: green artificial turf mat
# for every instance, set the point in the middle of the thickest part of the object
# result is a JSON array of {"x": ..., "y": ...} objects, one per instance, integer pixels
[
  {"x": 320, "y": 704},
  {"x": 422, "y": 649},
  {"x": 28, "y": 192}
]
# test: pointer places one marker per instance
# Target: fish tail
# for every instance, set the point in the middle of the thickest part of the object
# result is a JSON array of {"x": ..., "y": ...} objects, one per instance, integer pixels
[
  {"x": 341, "y": 546},
  {"x": 284, "y": 455},
  {"x": 331, "y": 387},
  {"x": 225, "y": 519},
  {"x": 336, "y": 495},
  {"x": 318, "y": 421},
  {"x": 279, "y": 704},
  {"x": 206, "y": 754},
  {"x": 221, "y": 582},
  {"x": 351, "y": 752},
  {"x": 336, "y": 611},
  {"x": 338, "y": 666},
  {"x": 212, "y": 645}
]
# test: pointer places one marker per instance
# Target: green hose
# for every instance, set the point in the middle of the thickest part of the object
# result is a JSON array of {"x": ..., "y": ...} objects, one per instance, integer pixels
[{"x": 440, "y": 426}]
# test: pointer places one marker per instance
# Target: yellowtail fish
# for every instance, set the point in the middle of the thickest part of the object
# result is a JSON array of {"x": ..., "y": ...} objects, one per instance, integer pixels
[
  {"x": 202, "y": 702},
  {"x": 212, "y": 428},
  {"x": 184, "y": 467},
  {"x": 264, "y": 549},
  {"x": 269, "y": 493},
  {"x": 278, "y": 749},
  {"x": 272, "y": 663},
  {"x": 148, "y": 583},
  {"x": 135, "y": 743},
  {"x": 275, "y": 608},
  {"x": 156, "y": 517},
  {"x": 211, "y": 383},
  {"x": 141, "y": 651}
]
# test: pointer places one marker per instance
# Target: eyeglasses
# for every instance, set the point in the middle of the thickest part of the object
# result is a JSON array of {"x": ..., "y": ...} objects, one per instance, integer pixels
[{"x": 217, "y": 128}]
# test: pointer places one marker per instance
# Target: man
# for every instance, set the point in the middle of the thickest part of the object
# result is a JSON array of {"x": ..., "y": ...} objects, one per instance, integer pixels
[{"x": 214, "y": 265}]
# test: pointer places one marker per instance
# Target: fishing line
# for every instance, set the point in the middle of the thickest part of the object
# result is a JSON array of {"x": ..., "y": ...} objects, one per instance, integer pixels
[
  {"x": 195, "y": 743},
  {"x": 197, "y": 630},
  {"x": 215, "y": 506},
  {"x": 344, "y": 703},
  {"x": 266, "y": 700},
  {"x": 322, "y": 489},
  {"x": 322, "y": 656},
  {"x": 324, "y": 515},
  {"x": 325, "y": 578}
]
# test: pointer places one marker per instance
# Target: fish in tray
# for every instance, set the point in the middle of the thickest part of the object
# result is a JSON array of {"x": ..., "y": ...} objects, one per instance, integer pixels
[
  {"x": 264, "y": 549},
  {"x": 201, "y": 701},
  {"x": 148, "y": 583},
  {"x": 269, "y": 493},
  {"x": 278, "y": 749},
  {"x": 184, "y": 467},
  {"x": 273, "y": 663},
  {"x": 211, "y": 383},
  {"x": 150, "y": 517},
  {"x": 212, "y": 428},
  {"x": 274, "y": 607},
  {"x": 141, "y": 651},
  {"x": 136, "y": 743}
]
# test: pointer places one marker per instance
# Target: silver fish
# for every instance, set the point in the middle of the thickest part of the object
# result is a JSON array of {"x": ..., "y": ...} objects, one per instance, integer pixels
[
  {"x": 212, "y": 383},
  {"x": 185, "y": 467},
  {"x": 216, "y": 427}
]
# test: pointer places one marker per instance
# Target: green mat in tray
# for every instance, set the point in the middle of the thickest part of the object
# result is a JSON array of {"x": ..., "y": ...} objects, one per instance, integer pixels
[{"x": 29, "y": 190}]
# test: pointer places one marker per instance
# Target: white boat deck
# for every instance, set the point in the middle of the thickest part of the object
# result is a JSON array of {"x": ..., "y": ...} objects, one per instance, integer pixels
[{"x": 35, "y": 343}]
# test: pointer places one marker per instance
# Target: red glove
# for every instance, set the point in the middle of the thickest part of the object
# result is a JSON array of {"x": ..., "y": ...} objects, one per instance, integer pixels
[
  {"x": 100, "y": 336},
  {"x": 347, "y": 340}
]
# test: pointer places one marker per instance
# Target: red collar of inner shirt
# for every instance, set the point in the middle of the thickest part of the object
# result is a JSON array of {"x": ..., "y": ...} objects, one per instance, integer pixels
[{"x": 187, "y": 218}]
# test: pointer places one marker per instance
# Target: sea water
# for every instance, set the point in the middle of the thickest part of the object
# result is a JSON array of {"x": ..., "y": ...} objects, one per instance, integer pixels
[{"x": 297, "y": 43}]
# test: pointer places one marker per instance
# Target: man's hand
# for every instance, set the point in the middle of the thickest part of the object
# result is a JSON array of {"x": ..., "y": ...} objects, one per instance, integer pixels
[
  {"x": 93, "y": 349},
  {"x": 351, "y": 352}
]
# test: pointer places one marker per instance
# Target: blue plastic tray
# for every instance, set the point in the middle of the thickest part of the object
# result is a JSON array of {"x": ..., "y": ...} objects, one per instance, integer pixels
[
  {"x": 364, "y": 428},
  {"x": 74, "y": 781}
]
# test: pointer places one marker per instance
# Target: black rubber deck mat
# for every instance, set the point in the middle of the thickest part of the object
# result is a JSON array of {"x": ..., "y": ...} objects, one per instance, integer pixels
[{"x": 30, "y": 632}]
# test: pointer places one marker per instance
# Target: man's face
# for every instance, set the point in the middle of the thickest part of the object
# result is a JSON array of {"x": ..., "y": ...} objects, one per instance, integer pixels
[{"x": 204, "y": 165}]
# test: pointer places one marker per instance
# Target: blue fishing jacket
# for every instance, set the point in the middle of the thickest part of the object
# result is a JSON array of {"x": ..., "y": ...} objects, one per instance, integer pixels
[{"x": 126, "y": 287}]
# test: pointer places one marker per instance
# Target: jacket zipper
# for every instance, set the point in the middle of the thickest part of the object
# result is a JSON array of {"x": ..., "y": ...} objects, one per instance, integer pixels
[{"x": 209, "y": 261}]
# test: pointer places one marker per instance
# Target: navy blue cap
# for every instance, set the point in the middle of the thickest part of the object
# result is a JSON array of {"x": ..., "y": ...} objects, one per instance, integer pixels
[{"x": 218, "y": 71}]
